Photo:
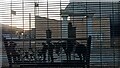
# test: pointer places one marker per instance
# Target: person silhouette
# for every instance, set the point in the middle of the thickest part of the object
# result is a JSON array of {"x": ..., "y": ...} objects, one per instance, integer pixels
[
  {"x": 50, "y": 52},
  {"x": 13, "y": 52},
  {"x": 44, "y": 50},
  {"x": 81, "y": 51},
  {"x": 69, "y": 48},
  {"x": 6, "y": 44},
  {"x": 57, "y": 47}
]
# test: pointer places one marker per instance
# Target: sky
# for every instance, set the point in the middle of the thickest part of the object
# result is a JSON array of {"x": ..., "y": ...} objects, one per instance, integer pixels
[{"x": 17, "y": 20}]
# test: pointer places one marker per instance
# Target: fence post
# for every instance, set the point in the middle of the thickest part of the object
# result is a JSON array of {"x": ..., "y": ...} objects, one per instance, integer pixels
[{"x": 88, "y": 51}]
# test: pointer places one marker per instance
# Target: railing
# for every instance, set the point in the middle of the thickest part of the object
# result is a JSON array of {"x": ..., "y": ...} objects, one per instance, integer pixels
[{"x": 57, "y": 53}]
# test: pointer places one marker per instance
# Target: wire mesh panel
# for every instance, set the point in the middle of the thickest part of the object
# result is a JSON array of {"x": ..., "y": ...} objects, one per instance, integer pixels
[{"x": 56, "y": 32}]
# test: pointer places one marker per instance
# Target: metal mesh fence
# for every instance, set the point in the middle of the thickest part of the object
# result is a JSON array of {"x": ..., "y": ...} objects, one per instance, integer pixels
[{"x": 33, "y": 24}]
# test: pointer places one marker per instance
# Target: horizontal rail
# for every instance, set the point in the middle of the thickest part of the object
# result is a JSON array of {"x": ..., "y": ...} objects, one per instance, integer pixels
[{"x": 46, "y": 39}]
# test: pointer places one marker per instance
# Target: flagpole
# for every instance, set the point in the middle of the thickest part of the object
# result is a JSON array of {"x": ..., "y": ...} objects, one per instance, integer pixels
[
  {"x": 10, "y": 63},
  {"x": 35, "y": 6},
  {"x": 11, "y": 20}
]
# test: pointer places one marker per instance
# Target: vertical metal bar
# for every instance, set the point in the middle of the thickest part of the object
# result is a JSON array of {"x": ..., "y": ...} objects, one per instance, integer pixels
[
  {"x": 60, "y": 33},
  {"x": 46, "y": 33},
  {"x": 47, "y": 16},
  {"x": 35, "y": 25},
  {"x": 11, "y": 20},
  {"x": 100, "y": 35},
  {"x": 30, "y": 30},
  {"x": 113, "y": 33},
  {"x": 23, "y": 27},
  {"x": 119, "y": 35},
  {"x": 10, "y": 58}
]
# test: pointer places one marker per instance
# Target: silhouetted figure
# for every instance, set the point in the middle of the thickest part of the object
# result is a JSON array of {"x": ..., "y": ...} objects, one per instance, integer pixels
[
  {"x": 70, "y": 42},
  {"x": 57, "y": 48},
  {"x": 69, "y": 49},
  {"x": 50, "y": 52},
  {"x": 8, "y": 53},
  {"x": 11, "y": 52},
  {"x": 81, "y": 51},
  {"x": 44, "y": 50}
]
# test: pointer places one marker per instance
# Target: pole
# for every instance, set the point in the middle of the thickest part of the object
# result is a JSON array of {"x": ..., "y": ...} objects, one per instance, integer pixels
[{"x": 29, "y": 30}]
